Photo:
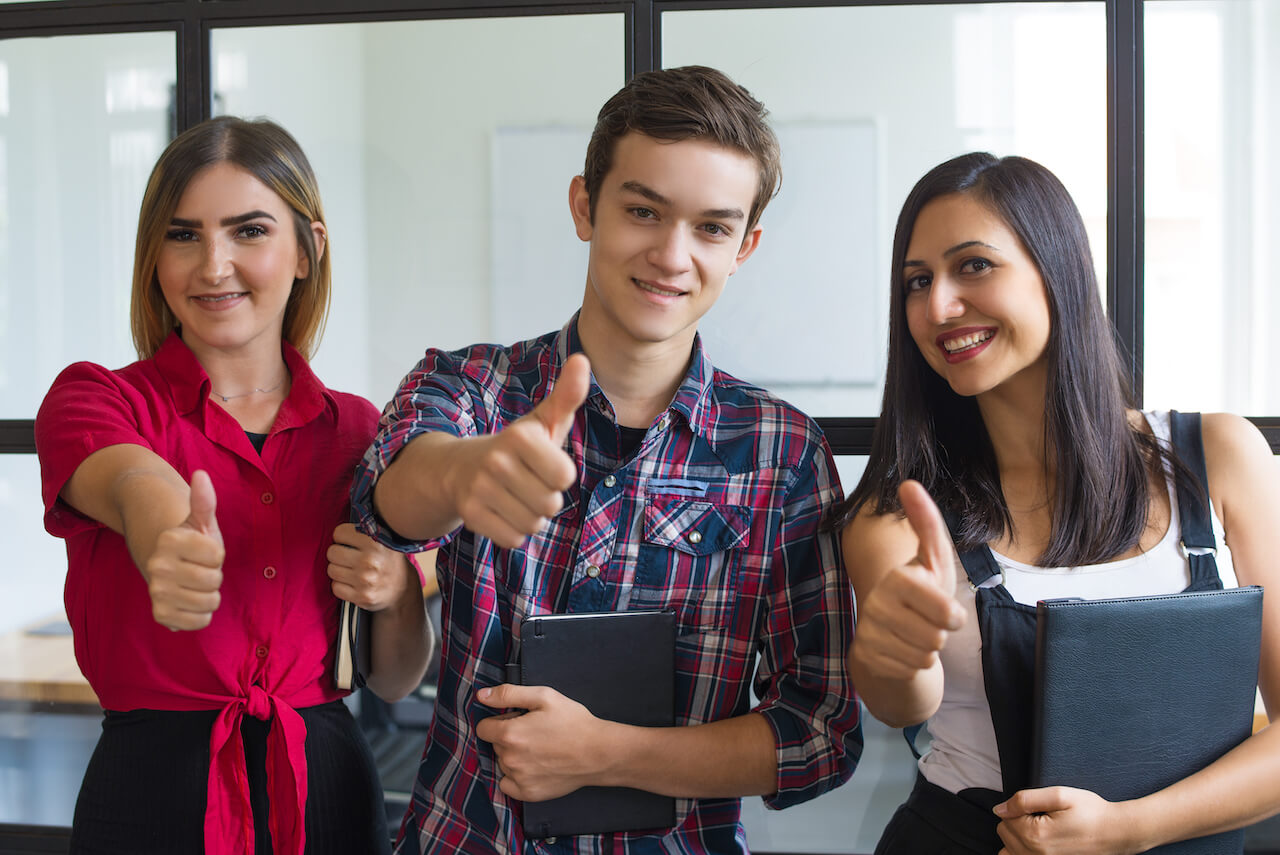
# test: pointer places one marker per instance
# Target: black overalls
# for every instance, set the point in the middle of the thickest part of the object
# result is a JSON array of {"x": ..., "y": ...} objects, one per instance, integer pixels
[{"x": 934, "y": 821}]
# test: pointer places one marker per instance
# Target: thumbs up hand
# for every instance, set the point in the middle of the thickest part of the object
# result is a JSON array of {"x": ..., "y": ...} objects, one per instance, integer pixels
[
  {"x": 184, "y": 571},
  {"x": 908, "y": 615},
  {"x": 506, "y": 485}
]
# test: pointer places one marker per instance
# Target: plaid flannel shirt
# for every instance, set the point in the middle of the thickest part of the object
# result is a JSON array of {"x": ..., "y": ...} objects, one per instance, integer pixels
[{"x": 760, "y": 592}]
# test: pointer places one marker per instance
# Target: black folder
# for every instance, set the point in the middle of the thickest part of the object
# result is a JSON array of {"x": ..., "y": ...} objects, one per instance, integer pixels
[
  {"x": 1133, "y": 694},
  {"x": 620, "y": 666}
]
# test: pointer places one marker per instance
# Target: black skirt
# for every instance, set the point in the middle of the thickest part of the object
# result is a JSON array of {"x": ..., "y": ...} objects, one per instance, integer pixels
[
  {"x": 933, "y": 821},
  {"x": 147, "y": 784}
]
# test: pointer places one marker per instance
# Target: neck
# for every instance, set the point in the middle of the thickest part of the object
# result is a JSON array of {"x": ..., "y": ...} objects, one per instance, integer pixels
[
  {"x": 640, "y": 380},
  {"x": 241, "y": 373}
]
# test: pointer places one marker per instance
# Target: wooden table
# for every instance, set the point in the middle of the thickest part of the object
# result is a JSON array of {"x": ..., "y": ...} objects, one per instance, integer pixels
[{"x": 41, "y": 668}]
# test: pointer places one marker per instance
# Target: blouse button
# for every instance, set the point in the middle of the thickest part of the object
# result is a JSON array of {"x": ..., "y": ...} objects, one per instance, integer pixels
[
  {"x": 609, "y": 481},
  {"x": 261, "y": 651},
  {"x": 593, "y": 571},
  {"x": 269, "y": 572},
  {"x": 695, "y": 537},
  {"x": 267, "y": 498}
]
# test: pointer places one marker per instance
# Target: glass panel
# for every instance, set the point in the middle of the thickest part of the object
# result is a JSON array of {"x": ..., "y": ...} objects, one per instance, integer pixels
[
  {"x": 866, "y": 100},
  {"x": 1212, "y": 143},
  {"x": 82, "y": 120},
  {"x": 431, "y": 189}
]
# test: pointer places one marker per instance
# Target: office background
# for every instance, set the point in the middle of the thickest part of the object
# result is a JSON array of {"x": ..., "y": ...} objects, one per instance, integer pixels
[{"x": 444, "y": 135}]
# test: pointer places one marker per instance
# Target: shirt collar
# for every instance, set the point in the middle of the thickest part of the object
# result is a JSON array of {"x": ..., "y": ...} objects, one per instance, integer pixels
[
  {"x": 693, "y": 401},
  {"x": 189, "y": 384}
]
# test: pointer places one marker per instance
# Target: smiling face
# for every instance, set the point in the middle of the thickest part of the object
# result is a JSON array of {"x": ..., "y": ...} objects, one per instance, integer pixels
[
  {"x": 228, "y": 262},
  {"x": 976, "y": 304},
  {"x": 669, "y": 229}
]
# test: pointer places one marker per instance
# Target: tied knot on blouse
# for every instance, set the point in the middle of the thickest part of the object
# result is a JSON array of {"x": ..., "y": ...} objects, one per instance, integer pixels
[{"x": 228, "y": 822}]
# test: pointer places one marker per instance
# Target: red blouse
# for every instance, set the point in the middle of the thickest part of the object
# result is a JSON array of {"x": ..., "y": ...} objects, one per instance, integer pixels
[{"x": 269, "y": 648}]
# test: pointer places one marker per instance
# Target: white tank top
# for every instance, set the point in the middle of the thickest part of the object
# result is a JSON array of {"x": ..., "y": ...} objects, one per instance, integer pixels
[{"x": 963, "y": 742}]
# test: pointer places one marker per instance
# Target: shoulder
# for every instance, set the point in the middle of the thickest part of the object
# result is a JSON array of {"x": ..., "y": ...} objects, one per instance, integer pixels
[
  {"x": 743, "y": 407},
  {"x": 873, "y": 543},
  {"x": 1235, "y": 452}
]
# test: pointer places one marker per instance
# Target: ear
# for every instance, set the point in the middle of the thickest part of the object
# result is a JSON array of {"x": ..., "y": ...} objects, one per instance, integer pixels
[
  {"x": 749, "y": 244},
  {"x": 321, "y": 237},
  {"x": 580, "y": 207}
]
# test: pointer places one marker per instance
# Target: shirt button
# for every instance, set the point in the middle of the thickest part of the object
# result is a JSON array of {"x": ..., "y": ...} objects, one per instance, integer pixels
[
  {"x": 593, "y": 571},
  {"x": 695, "y": 537},
  {"x": 269, "y": 572},
  {"x": 609, "y": 481},
  {"x": 267, "y": 498},
  {"x": 261, "y": 651},
  {"x": 551, "y": 841}
]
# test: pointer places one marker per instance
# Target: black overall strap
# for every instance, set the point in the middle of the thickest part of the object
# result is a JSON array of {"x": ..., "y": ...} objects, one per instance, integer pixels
[
  {"x": 1193, "y": 507},
  {"x": 979, "y": 564}
]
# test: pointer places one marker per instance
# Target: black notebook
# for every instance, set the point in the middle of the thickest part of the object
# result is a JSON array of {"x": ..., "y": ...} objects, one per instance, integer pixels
[
  {"x": 1133, "y": 694},
  {"x": 620, "y": 666},
  {"x": 351, "y": 658}
]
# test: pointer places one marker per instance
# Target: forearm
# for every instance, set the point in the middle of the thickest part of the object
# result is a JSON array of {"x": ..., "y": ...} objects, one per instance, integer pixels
[
  {"x": 722, "y": 759},
  {"x": 897, "y": 703},
  {"x": 1239, "y": 789},
  {"x": 133, "y": 492},
  {"x": 409, "y": 495},
  {"x": 402, "y": 643}
]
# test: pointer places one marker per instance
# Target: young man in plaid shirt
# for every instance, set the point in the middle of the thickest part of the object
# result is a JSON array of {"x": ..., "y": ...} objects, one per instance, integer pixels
[{"x": 610, "y": 466}]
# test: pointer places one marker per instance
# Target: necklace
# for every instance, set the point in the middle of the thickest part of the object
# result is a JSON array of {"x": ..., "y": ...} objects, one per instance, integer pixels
[{"x": 225, "y": 398}]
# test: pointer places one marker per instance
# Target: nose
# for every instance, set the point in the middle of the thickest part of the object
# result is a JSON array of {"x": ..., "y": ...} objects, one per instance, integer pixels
[
  {"x": 670, "y": 251},
  {"x": 216, "y": 264},
  {"x": 945, "y": 303}
]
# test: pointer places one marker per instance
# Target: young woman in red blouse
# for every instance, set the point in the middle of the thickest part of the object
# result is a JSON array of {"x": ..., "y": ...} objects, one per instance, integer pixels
[{"x": 203, "y": 496}]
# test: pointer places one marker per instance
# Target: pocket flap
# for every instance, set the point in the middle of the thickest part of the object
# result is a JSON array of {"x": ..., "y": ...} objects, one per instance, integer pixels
[{"x": 694, "y": 528}]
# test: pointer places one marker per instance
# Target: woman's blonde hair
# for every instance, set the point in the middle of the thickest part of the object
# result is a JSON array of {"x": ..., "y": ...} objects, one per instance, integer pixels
[{"x": 267, "y": 152}]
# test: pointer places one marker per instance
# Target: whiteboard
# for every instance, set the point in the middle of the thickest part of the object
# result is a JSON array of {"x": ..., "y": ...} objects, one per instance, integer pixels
[{"x": 805, "y": 310}]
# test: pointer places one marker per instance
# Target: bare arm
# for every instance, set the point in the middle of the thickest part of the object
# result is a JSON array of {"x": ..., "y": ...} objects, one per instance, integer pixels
[
  {"x": 169, "y": 527},
  {"x": 903, "y": 574},
  {"x": 386, "y": 584},
  {"x": 1241, "y": 787},
  {"x": 731, "y": 757}
]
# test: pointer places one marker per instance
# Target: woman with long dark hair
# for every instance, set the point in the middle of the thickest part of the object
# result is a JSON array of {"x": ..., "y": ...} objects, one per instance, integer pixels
[
  {"x": 1007, "y": 431},
  {"x": 203, "y": 495}
]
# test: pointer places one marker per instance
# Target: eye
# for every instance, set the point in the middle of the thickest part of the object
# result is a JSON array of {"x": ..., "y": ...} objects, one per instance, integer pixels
[
  {"x": 975, "y": 265},
  {"x": 716, "y": 230},
  {"x": 180, "y": 235},
  {"x": 252, "y": 230},
  {"x": 642, "y": 213},
  {"x": 918, "y": 282}
]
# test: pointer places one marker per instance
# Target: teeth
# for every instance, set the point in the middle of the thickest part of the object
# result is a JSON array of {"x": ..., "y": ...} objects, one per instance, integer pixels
[
  {"x": 665, "y": 292},
  {"x": 221, "y": 297},
  {"x": 964, "y": 342}
]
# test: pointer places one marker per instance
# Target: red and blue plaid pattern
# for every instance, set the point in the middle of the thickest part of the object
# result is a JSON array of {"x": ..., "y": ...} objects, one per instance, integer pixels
[{"x": 717, "y": 514}]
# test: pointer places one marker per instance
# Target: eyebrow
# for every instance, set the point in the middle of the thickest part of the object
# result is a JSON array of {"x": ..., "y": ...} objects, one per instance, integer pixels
[
  {"x": 658, "y": 199},
  {"x": 911, "y": 262},
  {"x": 227, "y": 221}
]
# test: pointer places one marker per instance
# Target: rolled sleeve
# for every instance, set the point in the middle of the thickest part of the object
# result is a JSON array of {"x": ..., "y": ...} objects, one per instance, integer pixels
[
  {"x": 806, "y": 695},
  {"x": 431, "y": 398}
]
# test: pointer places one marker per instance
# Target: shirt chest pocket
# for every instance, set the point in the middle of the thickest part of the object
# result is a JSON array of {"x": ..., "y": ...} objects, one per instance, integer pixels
[{"x": 690, "y": 558}]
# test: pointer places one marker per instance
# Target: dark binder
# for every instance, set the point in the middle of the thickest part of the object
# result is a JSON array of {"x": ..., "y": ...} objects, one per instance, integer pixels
[
  {"x": 620, "y": 666},
  {"x": 1133, "y": 694},
  {"x": 351, "y": 656}
]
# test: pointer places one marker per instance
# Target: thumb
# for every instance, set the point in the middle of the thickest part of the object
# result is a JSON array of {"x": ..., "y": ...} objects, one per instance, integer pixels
[
  {"x": 506, "y": 696},
  {"x": 931, "y": 530},
  {"x": 1025, "y": 802},
  {"x": 556, "y": 411},
  {"x": 204, "y": 504}
]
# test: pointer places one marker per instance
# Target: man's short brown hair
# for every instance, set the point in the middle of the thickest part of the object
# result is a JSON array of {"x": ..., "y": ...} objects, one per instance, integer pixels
[{"x": 693, "y": 102}]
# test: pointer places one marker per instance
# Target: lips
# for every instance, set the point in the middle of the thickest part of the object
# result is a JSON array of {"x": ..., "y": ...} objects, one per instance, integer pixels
[
  {"x": 220, "y": 302},
  {"x": 658, "y": 290},
  {"x": 959, "y": 345}
]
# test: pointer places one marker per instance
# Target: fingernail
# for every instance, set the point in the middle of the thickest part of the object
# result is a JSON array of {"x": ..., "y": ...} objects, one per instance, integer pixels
[
  {"x": 484, "y": 694},
  {"x": 1001, "y": 809}
]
